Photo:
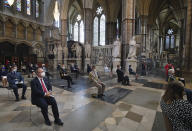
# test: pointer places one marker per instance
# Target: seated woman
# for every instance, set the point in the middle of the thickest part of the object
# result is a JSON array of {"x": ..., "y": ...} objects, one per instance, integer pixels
[
  {"x": 177, "y": 112},
  {"x": 64, "y": 75}
]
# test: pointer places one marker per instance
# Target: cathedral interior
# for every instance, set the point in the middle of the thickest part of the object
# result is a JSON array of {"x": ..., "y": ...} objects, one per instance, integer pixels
[{"x": 142, "y": 35}]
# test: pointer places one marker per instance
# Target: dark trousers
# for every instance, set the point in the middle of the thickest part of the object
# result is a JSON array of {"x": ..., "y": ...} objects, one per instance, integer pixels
[
  {"x": 15, "y": 89},
  {"x": 126, "y": 81},
  {"x": 43, "y": 104},
  {"x": 69, "y": 80}
]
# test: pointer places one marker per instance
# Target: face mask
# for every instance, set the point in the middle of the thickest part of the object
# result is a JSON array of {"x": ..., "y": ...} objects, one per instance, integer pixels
[
  {"x": 43, "y": 74},
  {"x": 15, "y": 70}
]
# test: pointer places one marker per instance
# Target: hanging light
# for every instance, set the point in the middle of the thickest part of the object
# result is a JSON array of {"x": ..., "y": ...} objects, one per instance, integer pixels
[
  {"x": 10, "y": 2},
  {"x": 56, "y": 13}
]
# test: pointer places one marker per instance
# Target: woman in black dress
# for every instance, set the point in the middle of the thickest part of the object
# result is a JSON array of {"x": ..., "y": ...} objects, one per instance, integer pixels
[{"x": 176, "y": 109}]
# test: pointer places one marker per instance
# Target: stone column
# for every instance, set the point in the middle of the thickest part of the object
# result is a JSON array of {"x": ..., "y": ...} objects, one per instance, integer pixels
[
  {"x": 64, "y": 37},
  {"x": 188, "y": 43},
  {"x": 41, "y": 15},
  {"x": 111, "y": 32},
  {"x": 1, "y": 5},
  {"x": 24, "y": 7},
  {"x": 144, "y": 33},
  {"x": 128, "y": 24},
  {"x": 33, "y": 7},
  {"x": 88, "y": 27}
]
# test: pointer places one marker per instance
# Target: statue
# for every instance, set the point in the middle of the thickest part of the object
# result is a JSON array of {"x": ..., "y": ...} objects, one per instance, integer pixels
[
  {"x": 65, "y": 52},
  {"x": 117, "y": 49},
  {"x": 132, "y": 48},
  {"x": 78, "y": 50},
  {"x": 87, "y": 50}
]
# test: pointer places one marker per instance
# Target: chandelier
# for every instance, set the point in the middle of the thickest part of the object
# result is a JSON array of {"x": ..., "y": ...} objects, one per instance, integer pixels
[
  {"x": 56, "y": 13},
  {"x": 10, "y": 2}
]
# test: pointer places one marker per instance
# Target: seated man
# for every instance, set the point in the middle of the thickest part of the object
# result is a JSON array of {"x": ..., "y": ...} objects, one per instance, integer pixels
[
  {"x": 131, "y": 72},
  {"x": 41, "y": 95},
  {"x": 3, "y": 75},
  {"x": 16, "y": 81},
  {"x": 75, "y": 69},
  {"x": 93, "y": 75},
  {"x": 120, "y": 74},
  {"x": 64, "y": 75}
]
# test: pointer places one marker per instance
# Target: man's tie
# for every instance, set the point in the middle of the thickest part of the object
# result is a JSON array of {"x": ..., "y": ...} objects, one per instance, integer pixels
[{"x": 43, "y": 85}]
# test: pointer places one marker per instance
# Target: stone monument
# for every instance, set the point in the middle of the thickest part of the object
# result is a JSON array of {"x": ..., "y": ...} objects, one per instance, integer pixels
[
  {"x": 116, "y": 52},
  {"x": 87, "y": 55},
  {"x": 132, "y": 58}
]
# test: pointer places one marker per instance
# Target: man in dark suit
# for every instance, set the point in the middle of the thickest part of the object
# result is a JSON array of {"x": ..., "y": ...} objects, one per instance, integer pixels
[
  {"x": 64, "y": 75},
  {"x": 41, "y": 96},
  {"x": 16, "y": 81},
  {"x": 120, "y": 74}
]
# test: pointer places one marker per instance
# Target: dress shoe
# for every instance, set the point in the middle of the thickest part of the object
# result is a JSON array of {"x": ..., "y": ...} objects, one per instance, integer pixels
[
  {"x": 48, "y": 123},
  {"x": 100, "y": 96},
  {"x": 17, "y": 99},
  {"x": 23, "y": 97},
  {"x": 103, "y": 94},
  {"x": 58, "y": 122}
]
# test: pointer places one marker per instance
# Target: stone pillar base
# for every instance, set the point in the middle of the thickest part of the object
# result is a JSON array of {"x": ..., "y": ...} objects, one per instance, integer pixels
[
  {"x": 87, "y": 61},
  {"x": 133, "y": 63},
  {"x": 188, "y": 76},
  {"x": 79, "y": 63},
  {"x": 116, "y": 61}
]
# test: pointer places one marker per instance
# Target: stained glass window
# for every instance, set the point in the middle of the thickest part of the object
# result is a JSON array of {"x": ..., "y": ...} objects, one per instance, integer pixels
[
  {"x": 18, "y": 5},
  {"x": 95, "y": 32},
  {"x": 6, "y": 4},
  {"x": 102, "y": 30},
  {"x": 29, "y": 7},
  {"x": 81, "y": 32},
  {"x": 76, "y": 31},
  {"x": 37, "y": 8}
]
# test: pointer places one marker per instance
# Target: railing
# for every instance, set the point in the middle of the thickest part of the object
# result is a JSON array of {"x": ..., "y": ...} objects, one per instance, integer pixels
[{"x": 102, "y": 55}]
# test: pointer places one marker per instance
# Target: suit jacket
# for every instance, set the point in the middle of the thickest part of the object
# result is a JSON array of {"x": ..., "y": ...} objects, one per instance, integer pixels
[
  {"x": 120, "y": 73},
  {"x": 11, "y": 77},
  {"x": 37, "y": 90}
]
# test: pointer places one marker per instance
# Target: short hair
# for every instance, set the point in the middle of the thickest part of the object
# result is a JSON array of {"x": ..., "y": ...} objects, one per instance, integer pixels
[
  {"x": 118, "y": 65},
  {"x": 37, "y": 71},
  {"x": 174, "y": 89},
  {"x": 93, "y": 66}
]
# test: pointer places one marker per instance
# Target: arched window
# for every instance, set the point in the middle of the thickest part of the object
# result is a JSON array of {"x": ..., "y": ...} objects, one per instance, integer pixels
[
  {"x": 81, "y": 32},
  {"x": 102, "y": 30},
  {"x": 170, "y": 40},
  {"x": 95, "y": 32},
  {"x": 99, "y": 28},
  {"x": 18, "y": 5},
  {"x": 37, "y": 8},
  {"x": 29, "y": 7},
  {"x": 76, "y": 31}
]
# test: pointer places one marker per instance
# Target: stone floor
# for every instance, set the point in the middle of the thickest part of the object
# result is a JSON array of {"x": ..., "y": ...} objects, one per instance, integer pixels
[{"x": 124, "y": 108}]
